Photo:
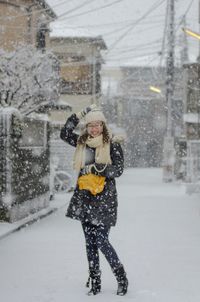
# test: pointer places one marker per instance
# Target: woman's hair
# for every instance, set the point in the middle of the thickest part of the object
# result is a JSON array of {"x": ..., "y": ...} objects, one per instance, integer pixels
[{"x": 83, "y": 137}]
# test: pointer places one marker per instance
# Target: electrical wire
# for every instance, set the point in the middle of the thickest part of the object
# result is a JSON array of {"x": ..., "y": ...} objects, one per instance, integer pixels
[
  {"x": 154, "y": 21},
  {"x": 186, "y": 12},
  {"x": 75, "y": 8},
  {"x": 110, "y": 33},
  {"x": 139, "y": 47},
  {"x": 133, "y": 56},
  {"x": 89, "y": 11},
  {"x": 122, "y": 22},
  {"x": 154, "y": 6}
]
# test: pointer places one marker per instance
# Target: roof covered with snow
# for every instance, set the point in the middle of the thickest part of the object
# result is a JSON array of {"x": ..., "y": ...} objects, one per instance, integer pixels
[{"x": 58, "y": 32}]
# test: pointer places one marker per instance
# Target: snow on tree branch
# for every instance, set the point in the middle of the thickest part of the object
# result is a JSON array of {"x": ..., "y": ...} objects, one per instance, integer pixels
[{"x": 28, "y": 79}]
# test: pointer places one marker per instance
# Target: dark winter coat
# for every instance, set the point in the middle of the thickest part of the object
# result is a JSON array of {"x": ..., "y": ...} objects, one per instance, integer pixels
[{"x": 102, "y": 208}]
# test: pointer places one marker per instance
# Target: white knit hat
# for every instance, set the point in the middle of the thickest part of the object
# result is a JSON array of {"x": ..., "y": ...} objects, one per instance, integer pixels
[{"x": 95, "y": 115}]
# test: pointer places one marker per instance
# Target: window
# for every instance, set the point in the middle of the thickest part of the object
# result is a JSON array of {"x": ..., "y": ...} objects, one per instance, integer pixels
[{"x": 41, "y": 39}]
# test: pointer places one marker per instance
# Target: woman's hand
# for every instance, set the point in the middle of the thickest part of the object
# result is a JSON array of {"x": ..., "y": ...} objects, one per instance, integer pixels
[
  {"x": 83, "y": 112},
  {"x": 86, "y": 170}
]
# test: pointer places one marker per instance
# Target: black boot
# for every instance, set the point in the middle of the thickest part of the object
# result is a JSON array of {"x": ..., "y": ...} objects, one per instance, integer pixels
[
  {"x": 95, "y": 278},
  {"x": 122, "y": 280}
]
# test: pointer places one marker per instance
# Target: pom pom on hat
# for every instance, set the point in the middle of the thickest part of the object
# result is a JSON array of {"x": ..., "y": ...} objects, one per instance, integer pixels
[{"x": 95, "y": 115}]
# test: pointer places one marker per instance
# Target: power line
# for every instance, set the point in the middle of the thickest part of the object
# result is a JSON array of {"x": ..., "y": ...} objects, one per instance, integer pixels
[
  {"x": 155, "y": 5},
  {"x": 134, "y": 56},
  {"x": 63, "y": 25},
  {"x": 75, "y": 8},
  {"x": 137, "y": 70},
  {"x": 92, "y": 10},
  {"x": 122, "y": 28},
  {"x": 138, "y": 47},
  {"x": 118, "y": 23},
  {"x": 186, "y": 12}
]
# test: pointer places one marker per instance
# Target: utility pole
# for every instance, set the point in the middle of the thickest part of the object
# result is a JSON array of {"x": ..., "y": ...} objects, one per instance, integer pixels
[
  {"x": 168, "y": 171},
  {"x": 184, "y": 51},
  {"x": 170, "y": 68},
  {"x": 199, "y": 31}
]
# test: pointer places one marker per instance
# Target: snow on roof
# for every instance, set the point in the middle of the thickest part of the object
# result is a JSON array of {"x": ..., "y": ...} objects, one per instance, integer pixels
[{"x": 58, "y": 29}]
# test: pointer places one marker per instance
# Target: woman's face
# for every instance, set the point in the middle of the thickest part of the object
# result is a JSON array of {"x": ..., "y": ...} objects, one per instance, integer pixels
[{"x": 95, "y": 129}]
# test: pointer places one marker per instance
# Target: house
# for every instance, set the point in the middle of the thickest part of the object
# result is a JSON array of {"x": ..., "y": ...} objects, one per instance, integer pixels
[
  {"x": 25, "y": 22},
  {"x": 80, "y": 65}
]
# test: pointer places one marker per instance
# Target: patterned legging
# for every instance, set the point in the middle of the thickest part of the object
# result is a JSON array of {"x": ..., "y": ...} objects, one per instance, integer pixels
[{"x": 97, "y": 239}]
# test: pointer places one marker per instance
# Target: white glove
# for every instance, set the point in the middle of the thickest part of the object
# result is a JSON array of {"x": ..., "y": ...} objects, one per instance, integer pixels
[
  {"x": 86, "y": 169},
  {"x": 83, "y": 112}
]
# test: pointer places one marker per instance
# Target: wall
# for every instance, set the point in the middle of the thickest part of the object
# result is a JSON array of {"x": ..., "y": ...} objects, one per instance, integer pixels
[
  {"x": 17, "y": 27},
  {"x": 25, "y": 173}
]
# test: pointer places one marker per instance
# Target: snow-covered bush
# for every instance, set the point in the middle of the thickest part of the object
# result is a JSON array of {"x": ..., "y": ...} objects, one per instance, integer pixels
[{"x": 28, "y": 79}]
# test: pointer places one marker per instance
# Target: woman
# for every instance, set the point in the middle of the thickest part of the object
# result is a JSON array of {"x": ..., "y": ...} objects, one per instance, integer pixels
[{"x": 98, "y": 159}]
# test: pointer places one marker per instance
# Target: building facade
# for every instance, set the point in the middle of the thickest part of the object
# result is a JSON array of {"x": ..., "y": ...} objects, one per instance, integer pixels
[
  {"x": 24, "y": 22},
  {"x": 192, "y": 124},
  {"x": 143, "y": 113}
]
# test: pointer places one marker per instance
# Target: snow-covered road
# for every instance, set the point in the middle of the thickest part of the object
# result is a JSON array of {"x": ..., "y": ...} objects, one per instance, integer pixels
[{"x": 157, "y": 238}]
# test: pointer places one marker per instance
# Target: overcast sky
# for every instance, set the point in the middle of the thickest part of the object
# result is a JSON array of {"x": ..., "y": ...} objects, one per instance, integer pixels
[{"x": 132, "y": 29}]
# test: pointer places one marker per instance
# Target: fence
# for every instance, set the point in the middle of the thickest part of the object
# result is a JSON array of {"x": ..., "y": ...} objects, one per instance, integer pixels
[{"x": 24, "y": 165}]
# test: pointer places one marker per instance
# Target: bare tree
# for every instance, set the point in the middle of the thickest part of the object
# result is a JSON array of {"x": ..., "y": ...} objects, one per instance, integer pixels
[{"x": 28, "y": 79}]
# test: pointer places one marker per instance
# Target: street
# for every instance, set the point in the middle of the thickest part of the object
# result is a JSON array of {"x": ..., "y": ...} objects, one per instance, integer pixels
[{"x": 157, "y": 238}]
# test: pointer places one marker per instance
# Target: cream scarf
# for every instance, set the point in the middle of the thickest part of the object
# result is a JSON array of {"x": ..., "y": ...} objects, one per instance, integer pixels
[{"x": 102, "y": 152}]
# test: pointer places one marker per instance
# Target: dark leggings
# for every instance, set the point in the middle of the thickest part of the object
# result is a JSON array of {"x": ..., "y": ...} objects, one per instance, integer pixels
[{"x": 97, "y": 239}]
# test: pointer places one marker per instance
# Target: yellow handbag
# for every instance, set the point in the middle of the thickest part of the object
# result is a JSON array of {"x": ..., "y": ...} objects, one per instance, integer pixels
[{"x": 91, "y": 182}]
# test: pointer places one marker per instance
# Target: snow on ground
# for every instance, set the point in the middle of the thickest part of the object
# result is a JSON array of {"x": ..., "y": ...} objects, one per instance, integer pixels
[{"x": 157, "y": 238}]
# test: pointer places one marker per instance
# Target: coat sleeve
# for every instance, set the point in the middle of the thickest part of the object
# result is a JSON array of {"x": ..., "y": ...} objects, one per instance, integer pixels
[
  {"x": 116, "y": 168},
  {"x": 67, "y": 132}
]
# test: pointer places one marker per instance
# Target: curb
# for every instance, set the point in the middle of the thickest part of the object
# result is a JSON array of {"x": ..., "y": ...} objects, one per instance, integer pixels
[{"x": 28, "y": 221}]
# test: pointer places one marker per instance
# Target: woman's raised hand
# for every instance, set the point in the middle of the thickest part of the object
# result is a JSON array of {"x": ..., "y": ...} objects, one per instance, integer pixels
[{"x": 83, "y": 112}]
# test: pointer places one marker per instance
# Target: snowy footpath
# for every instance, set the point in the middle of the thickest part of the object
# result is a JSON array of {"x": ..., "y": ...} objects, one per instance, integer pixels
[{"x": 157, "y": 238}]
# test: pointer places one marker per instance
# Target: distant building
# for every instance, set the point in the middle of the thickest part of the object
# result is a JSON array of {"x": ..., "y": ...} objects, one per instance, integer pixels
[
  {"x": 25, "y": 22},
  {"x": 143, "y": 112},
  {"x": 192, "y": 101},
  {"x": 192, "y": 124}
]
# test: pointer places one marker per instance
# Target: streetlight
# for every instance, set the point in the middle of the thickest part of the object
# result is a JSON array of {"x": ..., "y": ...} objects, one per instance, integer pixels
[
  {"x": 191, "y": 33},
  {"x": 155, "y": 89}
]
